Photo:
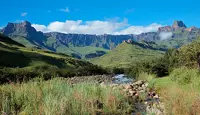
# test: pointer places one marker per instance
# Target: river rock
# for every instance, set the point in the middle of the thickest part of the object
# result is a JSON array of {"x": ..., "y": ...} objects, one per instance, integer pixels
[
  {"x": 132, "y": 93},
  {"x": 140, "y": 82},
  {"x": 156, "y": 96},
  {"x": 146, "y": 84},
  {"x": 128, "y": 86}
]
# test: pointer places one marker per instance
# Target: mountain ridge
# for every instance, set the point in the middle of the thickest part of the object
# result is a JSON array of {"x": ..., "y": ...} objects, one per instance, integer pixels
[{"x": 68, "y": 43}]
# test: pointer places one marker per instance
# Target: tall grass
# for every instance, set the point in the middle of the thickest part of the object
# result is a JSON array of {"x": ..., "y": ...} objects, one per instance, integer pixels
[
  {"x": 57, "y": 97},
  {"x": 145, "y": 76},
  {"x": 182, "y": 96},
  {"x": 178, "y": 101},
  {"x": 185, "y": 76},
  {"x": 150, "y": 78}
]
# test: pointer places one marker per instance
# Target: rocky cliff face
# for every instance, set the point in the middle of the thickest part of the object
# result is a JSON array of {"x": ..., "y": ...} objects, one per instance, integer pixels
[
  {"x": 105, "y": 41},
  {"x": 165, "y": 29},
  {"x": 179, "y": 24},
  {"x": 23, "y": 29}
]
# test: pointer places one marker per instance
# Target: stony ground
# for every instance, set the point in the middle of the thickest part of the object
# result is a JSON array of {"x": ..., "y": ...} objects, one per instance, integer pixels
[
  {"x": 146, "y": 101},
  {"x": 95, "y": 79}
]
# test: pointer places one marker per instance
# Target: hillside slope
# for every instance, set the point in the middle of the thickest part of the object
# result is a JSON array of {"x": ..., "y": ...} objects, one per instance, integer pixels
[
  {"x": 127, "y": 53},
  {"x": 15, "y": 58}
]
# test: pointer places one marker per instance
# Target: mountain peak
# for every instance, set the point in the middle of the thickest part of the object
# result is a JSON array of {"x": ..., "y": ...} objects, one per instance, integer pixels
[
  {"x": 26, "y": 23},
  {"x": 179, "y": 24},
  {"x": 21, "y": 29}
]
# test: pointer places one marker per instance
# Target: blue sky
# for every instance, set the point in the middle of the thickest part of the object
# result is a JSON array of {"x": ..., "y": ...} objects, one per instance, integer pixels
[{"x": 119, "y": 14}]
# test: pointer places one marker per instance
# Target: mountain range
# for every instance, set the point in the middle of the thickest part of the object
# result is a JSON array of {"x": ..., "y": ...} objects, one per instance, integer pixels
[{"x": 90, "y": 46}]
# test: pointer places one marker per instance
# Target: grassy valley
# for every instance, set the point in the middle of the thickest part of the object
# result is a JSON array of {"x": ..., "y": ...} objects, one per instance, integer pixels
[{"x": 125, "y": 54}]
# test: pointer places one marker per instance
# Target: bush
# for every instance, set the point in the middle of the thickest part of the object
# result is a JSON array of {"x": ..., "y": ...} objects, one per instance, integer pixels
[
  {"x": 118, "y": 70},
  {"x": 184, "y": 75},
  {"x": 158, "y": 66}
]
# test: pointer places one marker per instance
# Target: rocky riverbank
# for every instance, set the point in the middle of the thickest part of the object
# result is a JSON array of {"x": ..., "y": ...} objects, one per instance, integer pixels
[{"x": 145, "y": 100}]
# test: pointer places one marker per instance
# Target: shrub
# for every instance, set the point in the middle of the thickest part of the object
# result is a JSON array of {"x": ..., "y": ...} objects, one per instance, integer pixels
[
  {"x": 158, "y": 66},
  {"x": 118, "y": 70},
  {"x": 184, "y": 75}
]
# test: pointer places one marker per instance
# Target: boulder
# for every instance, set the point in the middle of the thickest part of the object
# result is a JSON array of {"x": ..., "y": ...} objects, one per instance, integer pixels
[{"x": 128, "y": 86}]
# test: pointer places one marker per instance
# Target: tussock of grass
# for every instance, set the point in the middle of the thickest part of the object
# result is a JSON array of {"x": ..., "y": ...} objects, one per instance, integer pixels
[
  {"x": 180, "y": 102},
  {"x": 56, "y": 97},
  {"x": 180, "y": 91}
]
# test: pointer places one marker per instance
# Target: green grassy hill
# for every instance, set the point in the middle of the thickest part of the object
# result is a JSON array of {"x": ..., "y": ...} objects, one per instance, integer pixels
[
  {"x": 17, "y": 62},
  {"x": 127, "y": 53}
]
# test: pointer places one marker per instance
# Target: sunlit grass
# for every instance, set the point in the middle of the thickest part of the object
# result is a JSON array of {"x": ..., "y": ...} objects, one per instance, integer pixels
[
  {"x": 56, "y": 97},
  {"x": 180, "y": 91}
]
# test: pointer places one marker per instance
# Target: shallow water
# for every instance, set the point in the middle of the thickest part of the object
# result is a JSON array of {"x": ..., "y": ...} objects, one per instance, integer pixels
[{"x": 122, "y": 79}]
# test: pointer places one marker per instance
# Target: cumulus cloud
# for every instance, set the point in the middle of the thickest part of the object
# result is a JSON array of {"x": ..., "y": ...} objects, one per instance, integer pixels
[
  {"x": 96, "y": 27},
  {"x": 140, "y": 29},
  {"x": 65, "y": 9},
  {"x": 42, "y": 28},
  {"x": 165, "y": 35},
  {"x": 24, "y": 14}
]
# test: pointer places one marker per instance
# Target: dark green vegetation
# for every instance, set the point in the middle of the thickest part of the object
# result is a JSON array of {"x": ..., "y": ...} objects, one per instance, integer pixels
[
  {"x": 126, "y": 54},
  {"x": 20, "y": 63}
]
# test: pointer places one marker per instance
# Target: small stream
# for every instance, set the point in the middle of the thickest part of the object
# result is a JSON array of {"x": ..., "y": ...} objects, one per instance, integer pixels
[{"x": 122, "y": 79}]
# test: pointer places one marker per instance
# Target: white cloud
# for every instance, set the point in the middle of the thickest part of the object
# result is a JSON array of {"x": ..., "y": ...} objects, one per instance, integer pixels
[
  {"x": 165, "y": 35},
  {"x": 42, "y": 28},
  {"x": 24, "y": 14},
  {"x": 140, "y": 29},
  {"x": 65, "y": 9},
  {"x": 96, "y": 27}
]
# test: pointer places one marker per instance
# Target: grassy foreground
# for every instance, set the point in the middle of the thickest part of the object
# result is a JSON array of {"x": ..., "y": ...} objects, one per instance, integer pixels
[
  {"x": 180, "y": 91},
  {"x": 57, "y": 97}
]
